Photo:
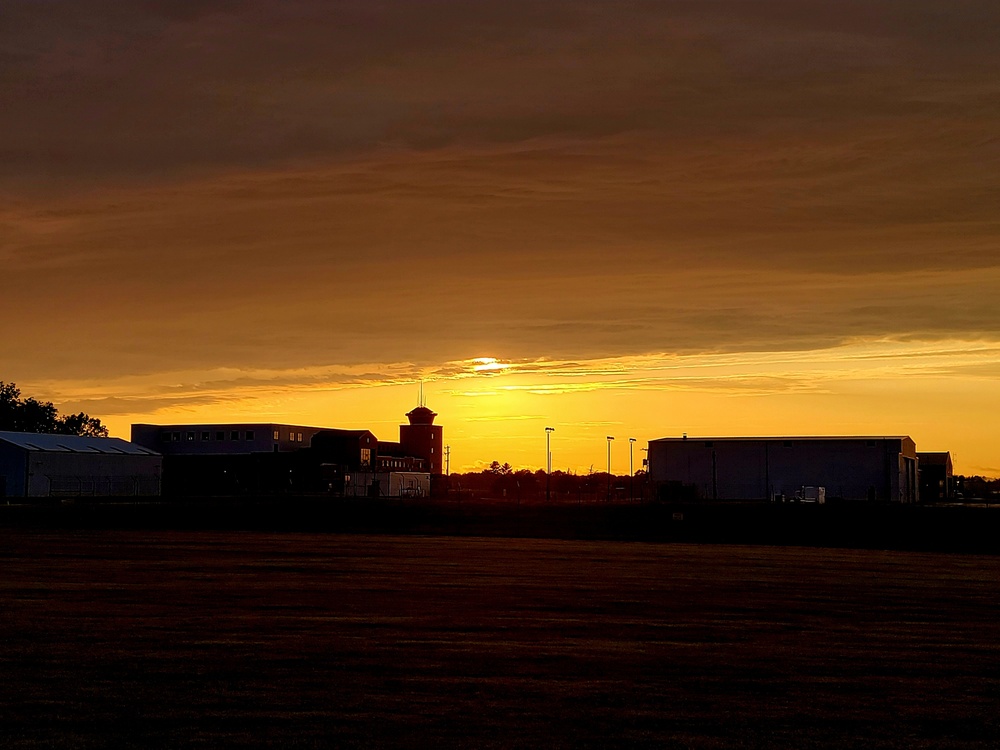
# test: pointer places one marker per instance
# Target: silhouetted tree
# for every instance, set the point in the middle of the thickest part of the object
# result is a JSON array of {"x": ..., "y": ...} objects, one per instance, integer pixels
[
  {"x": 81, "y": 424},
  {"x": 501, "y": 469},
  {"x": 500, "y": 480},
  {"x": 31, "y": 415},
  {"x": 977, "y": 487}
]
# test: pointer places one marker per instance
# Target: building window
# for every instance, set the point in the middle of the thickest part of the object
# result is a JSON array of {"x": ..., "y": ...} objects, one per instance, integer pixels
[
  {"x": 432, "y": 449},
  {"x": 165, "y": 437},
  {"x": 291, "y": 436},
  {"x": 300, "y": 437},
  {"x": 249, "y": 434},
  {"x": 190, "y": 436},
  {"x": 234, "y": 435},
  {"x": 277, "y": 435},
  {"x": 177, "y": 437},
  {"x": 206, "y": 436},
  {"x": 220, "y": 436}
]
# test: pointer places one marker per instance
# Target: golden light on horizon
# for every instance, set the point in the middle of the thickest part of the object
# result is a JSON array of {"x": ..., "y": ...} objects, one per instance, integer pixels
[
  {"x": 754, "y": 218},
  {"x": 864, "y": 387}
]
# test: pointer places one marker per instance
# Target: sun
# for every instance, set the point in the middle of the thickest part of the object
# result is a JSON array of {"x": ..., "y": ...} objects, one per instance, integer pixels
[{"x": 488, "y": 365}]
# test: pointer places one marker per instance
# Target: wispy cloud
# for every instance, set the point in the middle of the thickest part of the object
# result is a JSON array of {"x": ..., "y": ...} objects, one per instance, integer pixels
[{"x": 737, "y": 374}]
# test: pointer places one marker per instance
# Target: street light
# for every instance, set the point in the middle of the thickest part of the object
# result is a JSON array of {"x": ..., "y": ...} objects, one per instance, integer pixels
[
  {"x": 548, "y": 460},
  {"x": 631, "y": 471},
  {"x": 610, "y": 438}
]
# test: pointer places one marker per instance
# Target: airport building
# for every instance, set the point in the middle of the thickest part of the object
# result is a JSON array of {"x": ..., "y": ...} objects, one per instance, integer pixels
[
  {"x": 45, "y": 465},
  {"x": 774, "y": 468},
  {"x": 421, "y": 437},
  {"x": 268, "y": 458},
  {"x": 222, "y": 439},
  {"x": 936, "y": 476}
]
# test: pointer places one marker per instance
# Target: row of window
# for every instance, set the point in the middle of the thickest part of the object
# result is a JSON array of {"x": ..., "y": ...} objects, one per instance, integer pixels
[
  {"x": 399, "y": 464},
  {"x": 393, "y": 464},
  {"x": 177, "y": 437}
]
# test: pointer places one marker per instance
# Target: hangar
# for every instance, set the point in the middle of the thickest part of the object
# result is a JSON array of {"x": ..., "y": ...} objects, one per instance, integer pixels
[
  {"x": 43, "y": 465},
  {"x": 765, "y": 468}
]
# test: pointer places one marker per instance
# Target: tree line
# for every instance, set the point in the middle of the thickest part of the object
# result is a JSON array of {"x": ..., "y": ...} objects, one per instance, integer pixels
[
  {"x": 19, "y": 414},
  {"x": 502, "y": 481}
]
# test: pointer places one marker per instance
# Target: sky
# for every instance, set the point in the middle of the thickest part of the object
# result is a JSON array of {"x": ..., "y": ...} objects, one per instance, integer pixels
[{"x": 629, "y": 219}]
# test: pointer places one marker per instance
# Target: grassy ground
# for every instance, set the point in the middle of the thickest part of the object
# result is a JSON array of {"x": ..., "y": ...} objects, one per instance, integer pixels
[
  {"x": 852, "y": 525},
  {"x": 209, "y": 639}
]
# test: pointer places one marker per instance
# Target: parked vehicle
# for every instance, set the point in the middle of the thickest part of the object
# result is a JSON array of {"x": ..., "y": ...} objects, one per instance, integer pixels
[{"x": 811, "y": 495}]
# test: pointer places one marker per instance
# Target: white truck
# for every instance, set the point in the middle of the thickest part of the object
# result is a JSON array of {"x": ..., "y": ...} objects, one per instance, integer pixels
[{"x": 811, "y": 495}]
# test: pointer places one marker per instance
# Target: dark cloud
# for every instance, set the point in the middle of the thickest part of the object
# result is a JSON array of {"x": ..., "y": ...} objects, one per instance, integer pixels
[
  {"x": 138, "y": 89},
  {"x": 296, "y": 184}
]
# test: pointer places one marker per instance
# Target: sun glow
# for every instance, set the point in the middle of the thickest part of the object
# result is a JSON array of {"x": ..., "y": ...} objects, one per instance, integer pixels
[
  {"x": 941, "y": 393},
  {"x": 489, "y": 365}
]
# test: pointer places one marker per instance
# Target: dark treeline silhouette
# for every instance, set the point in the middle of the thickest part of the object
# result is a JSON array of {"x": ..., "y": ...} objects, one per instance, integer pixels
[
  {"x": 976, "y": 488},
  {"x": 503, "y": 482},
  {"x": 30, "y": 415}
]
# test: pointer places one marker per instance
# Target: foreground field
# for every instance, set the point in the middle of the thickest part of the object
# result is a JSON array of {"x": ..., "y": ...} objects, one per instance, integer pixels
[{"x": 181, "y": 639}]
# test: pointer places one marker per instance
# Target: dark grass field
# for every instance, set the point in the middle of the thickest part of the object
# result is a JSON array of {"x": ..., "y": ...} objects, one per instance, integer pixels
[
  {"x": 915, "y": 528},
  {"x": 229, "y": 638}
]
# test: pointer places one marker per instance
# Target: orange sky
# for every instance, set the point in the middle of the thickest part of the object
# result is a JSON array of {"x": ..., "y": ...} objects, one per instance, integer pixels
[{"x": 731, "y": 218}]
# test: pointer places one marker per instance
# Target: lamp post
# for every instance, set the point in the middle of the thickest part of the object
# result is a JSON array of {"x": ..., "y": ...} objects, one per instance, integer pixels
[
  {"x": 548, "y": 460},
  {"x": 610, "y": 438},
  {"x": 631, "y": 471}
]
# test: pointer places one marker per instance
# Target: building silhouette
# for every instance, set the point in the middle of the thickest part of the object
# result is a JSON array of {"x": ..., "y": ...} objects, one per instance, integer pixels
[
  {"x": 422, "y": 438},
  {"x": 51, "y": 465},
  {"x": 936, "y": 476},
  {"x": 848, "y": 468},
  {"x": 270, "y": 458}
]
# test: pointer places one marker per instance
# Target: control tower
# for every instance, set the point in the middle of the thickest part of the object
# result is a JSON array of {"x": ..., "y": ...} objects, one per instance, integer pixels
[{"x": 421, "y": 438}]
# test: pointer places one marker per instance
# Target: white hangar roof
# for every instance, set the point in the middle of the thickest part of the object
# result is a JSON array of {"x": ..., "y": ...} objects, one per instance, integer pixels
[{"x": 47, "y": 443}]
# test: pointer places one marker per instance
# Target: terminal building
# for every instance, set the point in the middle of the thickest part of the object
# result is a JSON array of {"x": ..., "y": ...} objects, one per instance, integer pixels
[
  {"x": 774, "y": 468},
  {"x": 222, "y": 439},
  {"x": 48, "y": 465},
  {"x": 269, "y": 458}
]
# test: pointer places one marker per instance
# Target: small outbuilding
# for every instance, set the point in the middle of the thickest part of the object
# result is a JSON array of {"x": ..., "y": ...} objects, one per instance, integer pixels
[
  {"x": 937, "y": 479},
  {"x": 386, "y": 484},
  {"x": 43, "y": 465}
]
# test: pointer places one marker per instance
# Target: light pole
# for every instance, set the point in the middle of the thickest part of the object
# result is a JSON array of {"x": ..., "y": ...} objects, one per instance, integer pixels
[
  {"x": 610, "y": 438},
  {"x": 548, "y": 460},
  {"x": 631, "y": 471}
]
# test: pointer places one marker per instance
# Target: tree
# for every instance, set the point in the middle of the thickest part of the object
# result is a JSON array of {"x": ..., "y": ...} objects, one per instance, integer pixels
[
  {"x": 82, "y": 424},
  {"x": 31, "y": 415},
  {"x": 10, "y": 400}
]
